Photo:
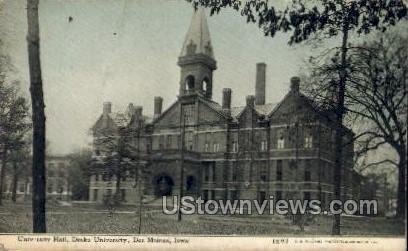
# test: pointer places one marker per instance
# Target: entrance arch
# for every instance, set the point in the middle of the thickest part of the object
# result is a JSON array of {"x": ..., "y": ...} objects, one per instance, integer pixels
[{"x": 163, "y": 185}]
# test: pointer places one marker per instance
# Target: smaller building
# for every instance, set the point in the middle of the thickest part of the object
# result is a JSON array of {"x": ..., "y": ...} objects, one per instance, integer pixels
[{"x": 57, "y": 181}]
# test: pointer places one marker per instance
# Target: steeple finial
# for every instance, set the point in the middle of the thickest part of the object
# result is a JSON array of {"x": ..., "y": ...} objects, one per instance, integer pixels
[{"x": 198, "y": 39}]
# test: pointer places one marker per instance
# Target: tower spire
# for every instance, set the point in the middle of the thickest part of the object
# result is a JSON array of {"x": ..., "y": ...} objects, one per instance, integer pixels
[
  {"x": 196, "y": 59},
  {"x": 198, "y": 39}
]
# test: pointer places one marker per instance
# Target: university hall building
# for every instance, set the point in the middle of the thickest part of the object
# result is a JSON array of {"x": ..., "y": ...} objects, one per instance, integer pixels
[{"x": 216, "y": 151}]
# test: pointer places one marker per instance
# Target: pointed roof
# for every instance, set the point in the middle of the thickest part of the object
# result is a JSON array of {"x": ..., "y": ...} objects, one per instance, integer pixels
[{"x": 198, "y": 39}]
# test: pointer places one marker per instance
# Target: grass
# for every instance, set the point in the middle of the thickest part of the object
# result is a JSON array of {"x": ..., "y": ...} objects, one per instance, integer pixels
[{"x": 92, "y": 219}]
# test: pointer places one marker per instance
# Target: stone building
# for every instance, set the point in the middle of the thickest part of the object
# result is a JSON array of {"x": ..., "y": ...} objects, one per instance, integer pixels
[{"x": 283, "y": 149}]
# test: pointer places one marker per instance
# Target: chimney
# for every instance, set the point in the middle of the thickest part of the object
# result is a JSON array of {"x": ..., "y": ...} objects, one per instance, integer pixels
[
  {"x": 294, "y": 84},
  {"x": 260, "y": 83},
  {"x": 250, "y": 100},
  {"x": 138, "y": 112},
  {"x": 226, "y": 98},
  {"x": 158, "y": 103},
  {"x": 107, "y": 108}
]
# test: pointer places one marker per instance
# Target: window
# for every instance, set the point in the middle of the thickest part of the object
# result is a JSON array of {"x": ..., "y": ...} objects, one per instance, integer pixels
[
  {"x": 234, "y": 194},
  {"x": 214, "y": 177},
  {"x": 212, "y": 194},
  {"x": 307, "y": 175},
  {"x": 161, "y": 142},
  {"x": 261, "y": 196},
  {"x": 21, "y": 188},
  {"x": 264, "y": 145},
  {"x": 206, "y": 147},
  {"x": 168, "y": 142},
  {"x": 178, "y": 141},
  {"x": 279, "y": 170},
  {"x": 234, "y": 173},
  {"x": 263, "y": 174},
  {"x": 234, "y": 146},
  {"x": 205, "y": 195},
  {"x": 307, "y": 170},
  {"x": 190, "y": 144},
  {"x": 309, "y": 141},
  {"x": 278, "y": 195},
  {"x": 216, "y": 147},
  {"x": 306, "y": 196},
  {"x": 95, "y": 194},
  {"x": 281, "y": 141},
  {"x": 206, "y": 174},
  {"x": 96, "y": 177}
]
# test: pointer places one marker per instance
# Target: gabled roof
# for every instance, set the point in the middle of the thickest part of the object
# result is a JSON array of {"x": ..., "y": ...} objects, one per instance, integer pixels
[
  {"x": 215, "y": 106},
  {"x": 198, "y": 39},
  {"x": 121, "y": 119},
  {"x": 265, "y": 110}
]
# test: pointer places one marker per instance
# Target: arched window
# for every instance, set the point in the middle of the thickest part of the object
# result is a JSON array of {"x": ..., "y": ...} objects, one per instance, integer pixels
[
  {"x": 206, "y": 85},
  {"x": 190, "y": 83},
  {"x": 191, "y": 184}
]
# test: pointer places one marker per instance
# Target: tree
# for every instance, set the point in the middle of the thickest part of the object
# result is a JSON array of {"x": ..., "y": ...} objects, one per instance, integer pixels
[
  {"x": 376, "y": 96},
  {"x": 20, "y": 162},
  {"x": 78, "y": 174},
  {"x": 13, "y": 125},
  {"x": 38, "y": 117},
  {"x": 320, "y": 19}
]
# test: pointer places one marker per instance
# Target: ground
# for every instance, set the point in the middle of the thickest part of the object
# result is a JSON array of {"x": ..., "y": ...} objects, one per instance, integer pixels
[{"x": 94, "y": 219}]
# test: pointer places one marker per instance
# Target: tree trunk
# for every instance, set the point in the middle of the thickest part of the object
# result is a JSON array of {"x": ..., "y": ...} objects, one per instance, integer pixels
[
  {"x": 15, "y": 181},
  {"x": 339, "y": 126},
  {"x": 2, "y": 175},
  {"x": 38, "y": 117},
  {"x": 401, "y": 199},
  {"x": 118, "y": 193}
]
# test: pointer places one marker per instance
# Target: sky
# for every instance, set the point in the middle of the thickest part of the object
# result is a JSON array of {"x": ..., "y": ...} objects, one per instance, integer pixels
[{"x": 126, "y": 51}]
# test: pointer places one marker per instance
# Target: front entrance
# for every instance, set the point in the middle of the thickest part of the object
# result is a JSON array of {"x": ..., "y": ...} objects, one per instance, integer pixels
[{"x": 163, "y": 185}]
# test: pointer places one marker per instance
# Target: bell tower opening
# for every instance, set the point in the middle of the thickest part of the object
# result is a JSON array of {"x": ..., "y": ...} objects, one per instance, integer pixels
[
  {"x": 207, "y": 88},
  {"x": 190, "y": 83}
]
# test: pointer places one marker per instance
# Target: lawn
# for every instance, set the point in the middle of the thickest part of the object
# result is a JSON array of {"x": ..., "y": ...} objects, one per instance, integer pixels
[{"x": 94, "y": 219}]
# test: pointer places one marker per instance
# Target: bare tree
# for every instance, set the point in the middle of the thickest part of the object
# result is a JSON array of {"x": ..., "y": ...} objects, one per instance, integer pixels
[
  {"x": 375, "y": 97},
  {"x": 38, "y": 117}
]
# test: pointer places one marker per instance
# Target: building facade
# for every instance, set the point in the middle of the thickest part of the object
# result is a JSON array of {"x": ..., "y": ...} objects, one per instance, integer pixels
[
  {"x": 56, "y": 180},
  {"x": 216, "y": 151}
]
